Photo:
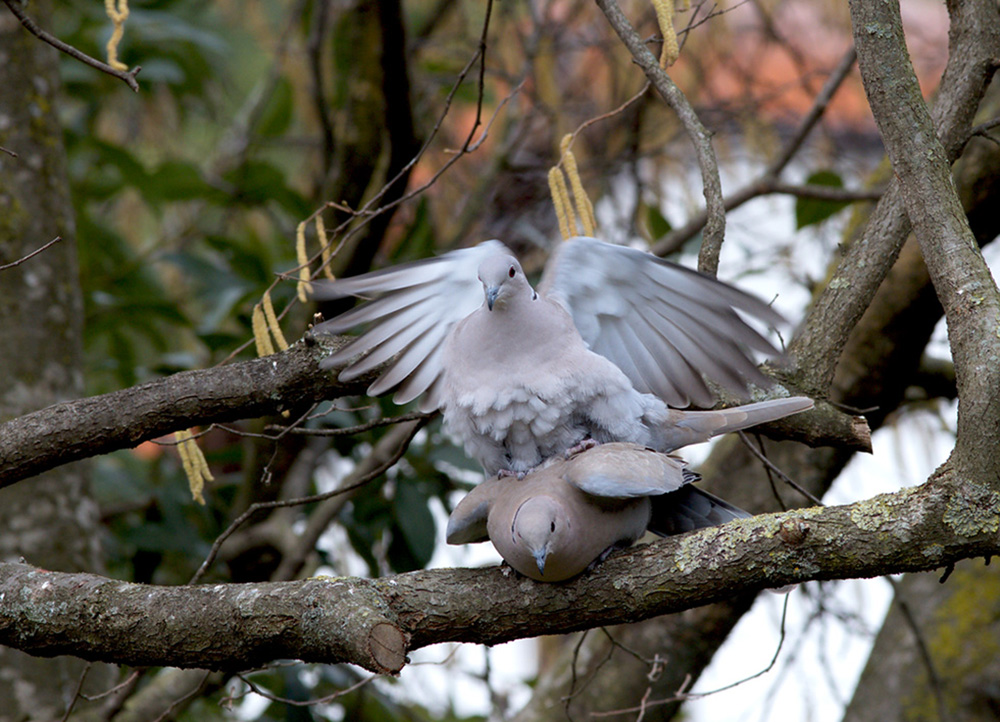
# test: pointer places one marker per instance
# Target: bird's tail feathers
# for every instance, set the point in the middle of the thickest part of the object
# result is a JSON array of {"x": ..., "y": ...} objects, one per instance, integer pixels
[
  {"x": 681, "y": 428},
  {"x": 743, "y": 417},
  {"x": 690, "y": 508}
]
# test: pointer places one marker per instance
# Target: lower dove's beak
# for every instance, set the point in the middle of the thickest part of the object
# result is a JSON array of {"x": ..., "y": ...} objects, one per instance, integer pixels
[
  {"x": 491, "y": 296},
  {"x": 540, "y": 555}
]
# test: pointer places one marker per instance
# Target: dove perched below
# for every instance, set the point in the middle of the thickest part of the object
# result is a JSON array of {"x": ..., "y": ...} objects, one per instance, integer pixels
[
  {"x": 612, "y": 338},
  {"x": 570, "y": 513}
]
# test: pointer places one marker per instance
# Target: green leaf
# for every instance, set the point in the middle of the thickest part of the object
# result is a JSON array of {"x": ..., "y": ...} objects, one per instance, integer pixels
[
  {"x": 277, "y": 114},
  {"x": 176, "y": 180},
  {"x": 413, "y": 518},
  {"x": 258, "y": 182},
  {"x": 657, "y": 225},
  {"x": 811, "y": 211}
]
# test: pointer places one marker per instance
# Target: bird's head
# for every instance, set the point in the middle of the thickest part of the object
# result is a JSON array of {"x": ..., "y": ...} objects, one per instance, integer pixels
[
  {"x": 502, "y": 279},
  {"x": 539, "y": 528}
]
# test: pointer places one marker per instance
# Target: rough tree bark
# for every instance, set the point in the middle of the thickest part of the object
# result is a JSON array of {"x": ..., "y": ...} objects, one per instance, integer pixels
[
  {"x": 937, "y": 656},
  {"x": 52, "y": 522},
  {"x": 375, "y": 622}
]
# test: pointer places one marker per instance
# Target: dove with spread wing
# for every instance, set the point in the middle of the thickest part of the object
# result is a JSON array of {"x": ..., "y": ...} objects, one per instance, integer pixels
[{"x": 609, "y": 348}]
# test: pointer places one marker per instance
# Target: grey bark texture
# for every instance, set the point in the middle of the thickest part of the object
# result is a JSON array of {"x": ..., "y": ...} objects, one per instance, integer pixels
[
  {"x": 53, "y": 522},
  {"x": 937, "y": 656}
]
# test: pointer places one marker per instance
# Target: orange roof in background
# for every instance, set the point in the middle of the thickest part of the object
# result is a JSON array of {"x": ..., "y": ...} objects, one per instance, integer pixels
[{"x": 781, "y": 72}]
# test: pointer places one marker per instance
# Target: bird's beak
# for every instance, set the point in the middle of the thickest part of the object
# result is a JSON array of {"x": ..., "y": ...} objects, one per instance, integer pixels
[
  {"x": 540, "y": 555},
  {"x": 491, "y": 296}
]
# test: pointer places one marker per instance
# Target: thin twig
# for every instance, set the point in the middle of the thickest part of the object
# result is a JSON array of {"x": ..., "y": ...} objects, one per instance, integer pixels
[
  {"x": 370, "y": 210},
  {"x": 357, "y": 429},
  {"x": 301, "y": 702},
  {"x": 824, "y": 193},
  {"x": 683, "y": 696},
  {"x": 131, "y": 679},
  {"x": 258, "y": 506},
  {"x": 19, "y": 261},
  {"x": 32, "y": 27},
  {"x": 76, "y": 692},
  {"x": 9, "y": 152},
  {"x": 767, "y": 182},
  {"x": 784, "y": 477},
  {"x": 982, "y": 130},
  {"x": 169, "y": 711}
]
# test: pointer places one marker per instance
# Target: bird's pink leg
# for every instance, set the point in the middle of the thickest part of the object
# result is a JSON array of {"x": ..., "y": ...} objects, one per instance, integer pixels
[{"x": 578, "y": 448}]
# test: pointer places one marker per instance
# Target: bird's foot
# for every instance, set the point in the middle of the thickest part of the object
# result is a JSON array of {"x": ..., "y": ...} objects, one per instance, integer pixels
[
  {"x": 510, "y": 473},
  {"x": 617, "y": 546},
  {"x": 579, "y": 448}
]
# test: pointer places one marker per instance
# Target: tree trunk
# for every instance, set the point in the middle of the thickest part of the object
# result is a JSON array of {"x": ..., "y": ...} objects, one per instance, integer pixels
[
  {"x": 937, "y": 656},
  {"x": 51, "y": 522}
]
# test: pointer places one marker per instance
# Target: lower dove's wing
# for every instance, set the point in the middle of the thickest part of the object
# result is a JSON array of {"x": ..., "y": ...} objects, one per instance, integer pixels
[
  {"x": 664, "y": 325},
  {"x": 467, "y": 522},
  {"x": 409, "y": 311},
  {"x": 622, "y": 470}
]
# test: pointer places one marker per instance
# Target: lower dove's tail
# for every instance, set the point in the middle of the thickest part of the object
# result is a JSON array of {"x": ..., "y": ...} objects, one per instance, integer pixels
[
  {"x": 691, "y": 427},
  {"x": 690, "y": 508}
]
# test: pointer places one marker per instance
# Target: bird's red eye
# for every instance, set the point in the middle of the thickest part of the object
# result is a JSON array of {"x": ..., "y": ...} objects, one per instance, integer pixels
[{"x": 511, "y": 272}]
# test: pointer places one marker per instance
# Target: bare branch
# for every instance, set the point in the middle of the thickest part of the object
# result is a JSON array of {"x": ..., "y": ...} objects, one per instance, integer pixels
[
  {"x": 767, "y": 182},
  {"x": 123, "y": 419},
  {"x": 357, "y": 429},
  {"x": 34, "y": 253},
  {"x": 32, "y": 27},
  {"x": 701, "y": 138},
  {"x": 819, "y": 341},
  {"x": 375, "y": 623},
  {"x": 922, "y": 165}
]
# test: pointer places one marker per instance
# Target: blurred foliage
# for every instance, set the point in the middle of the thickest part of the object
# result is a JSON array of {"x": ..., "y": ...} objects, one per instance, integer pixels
[{"x": 183, "y": 216}]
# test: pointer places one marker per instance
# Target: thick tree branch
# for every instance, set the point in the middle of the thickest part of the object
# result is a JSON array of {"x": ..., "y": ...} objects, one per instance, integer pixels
[
  {"x": 816, "y": 348},
  {"x": 961, "y": 278},
  {"x": 83, "y": 428},
  {"x": 88, "y": 427},
  {"x": 375, "y": 622}
]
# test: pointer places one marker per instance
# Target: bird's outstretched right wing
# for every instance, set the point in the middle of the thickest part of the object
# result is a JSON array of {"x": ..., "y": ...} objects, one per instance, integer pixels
[{"x": 410, "y": 310}]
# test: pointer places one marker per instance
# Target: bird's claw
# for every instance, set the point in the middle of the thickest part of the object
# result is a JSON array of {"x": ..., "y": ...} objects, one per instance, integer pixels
[
  {"x": 508, "y": 473},
  {"x": 579, "y": 448}
]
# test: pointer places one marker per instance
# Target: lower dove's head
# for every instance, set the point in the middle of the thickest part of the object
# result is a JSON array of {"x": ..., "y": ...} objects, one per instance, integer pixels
[
  {"x": 539, "y": 528},
  {"x": 502, "y": 279}
]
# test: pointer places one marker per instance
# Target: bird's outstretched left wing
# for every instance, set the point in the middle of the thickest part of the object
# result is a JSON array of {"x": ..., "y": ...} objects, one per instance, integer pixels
[{"x": 664, "y": 325}]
